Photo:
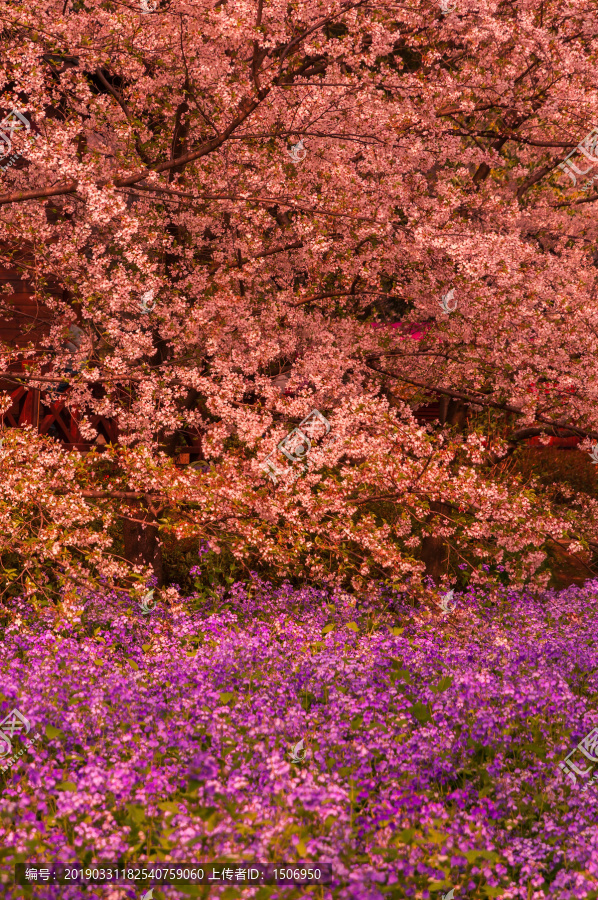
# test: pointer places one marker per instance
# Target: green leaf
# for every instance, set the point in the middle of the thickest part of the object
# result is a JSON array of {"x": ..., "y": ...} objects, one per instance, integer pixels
[
  {"x": 356, "y": 721},
  {"x": 392, "y": 891},
  {"x": 205, "y": 812},
  {"x": 443, "y": 685},
  {"x": 52, "y": 732},
  {"x": 66, "y": 786},
  {"x": 437, "y": 837},
  {"x": 169, "y": 806},
  {"x": 307, "y": 700},
  {"x": 353, "y": 626},
  {"x": 133, "y": 664},
  {"x": 302, "y": 850},
  {"x": 137, "y": 814},
  {"x": 397, "y": 631},
  {"x": 405, "y": 837},
  {"x": 226, "y": 697},
  {"x": 327, "y": 629},
  {"x": 472, "y": 855},
  {"x": 145, "y": 647},
  {"x": 421, "y": 713},
  {"x": 192, "y": 786}
]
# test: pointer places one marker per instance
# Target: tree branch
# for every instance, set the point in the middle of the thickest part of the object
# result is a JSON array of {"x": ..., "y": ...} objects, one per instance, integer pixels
[
  {"x": 249, "y": 199},
  {"x": 237, "y": 264},
  {"x": 350, "y": 293},
  {"x": 121, "y": 102},
  {"x": 246, "y": 107},
  {"x": 479, "y": 400}
]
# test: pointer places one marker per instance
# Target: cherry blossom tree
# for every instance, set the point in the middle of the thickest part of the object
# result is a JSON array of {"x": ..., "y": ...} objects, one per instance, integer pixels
[{"x": 230, "y": 193}]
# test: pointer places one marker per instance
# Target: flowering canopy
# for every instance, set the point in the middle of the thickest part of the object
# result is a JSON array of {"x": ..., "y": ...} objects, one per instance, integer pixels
[{"x": 229, "y": 191}]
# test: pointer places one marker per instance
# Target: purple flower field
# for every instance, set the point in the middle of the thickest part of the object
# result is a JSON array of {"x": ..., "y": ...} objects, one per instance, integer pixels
[{"x": 431, "y": 743}]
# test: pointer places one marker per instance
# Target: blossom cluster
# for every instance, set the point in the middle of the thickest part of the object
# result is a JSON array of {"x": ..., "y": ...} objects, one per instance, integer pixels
[{"x": 431, "y": 747}]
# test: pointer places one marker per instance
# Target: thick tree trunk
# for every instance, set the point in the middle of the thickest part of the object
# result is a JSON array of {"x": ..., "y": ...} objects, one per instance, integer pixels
[
  {"x": 458, "y": 413},
  {"x": 444, "y": 405},
  {"x": 453, "y": 412},
  {"x": 142, "y": 542},
  {"x": 434, "y": 551},
  {"x": 434, "y": 555}
]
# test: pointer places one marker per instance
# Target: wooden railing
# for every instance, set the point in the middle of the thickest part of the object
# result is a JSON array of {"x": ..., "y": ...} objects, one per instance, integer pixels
[{"x": 55, "y": 417}]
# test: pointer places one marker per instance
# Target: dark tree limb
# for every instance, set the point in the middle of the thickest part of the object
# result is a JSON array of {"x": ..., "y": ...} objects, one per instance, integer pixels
[{"x": 478, "y": 400}]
